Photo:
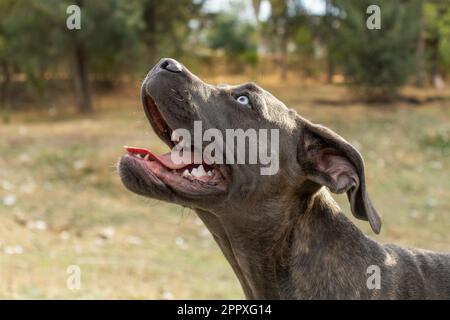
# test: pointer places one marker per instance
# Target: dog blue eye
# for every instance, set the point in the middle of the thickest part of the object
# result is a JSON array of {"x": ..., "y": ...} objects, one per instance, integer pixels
[{"x": 243, "y": 100}]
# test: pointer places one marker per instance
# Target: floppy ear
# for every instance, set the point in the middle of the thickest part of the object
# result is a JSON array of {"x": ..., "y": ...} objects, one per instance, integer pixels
[{"x": 329, "y": 160}]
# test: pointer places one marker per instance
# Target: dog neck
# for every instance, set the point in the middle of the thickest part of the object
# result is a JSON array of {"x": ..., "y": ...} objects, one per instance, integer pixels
[{"x": 295, "y": 251}]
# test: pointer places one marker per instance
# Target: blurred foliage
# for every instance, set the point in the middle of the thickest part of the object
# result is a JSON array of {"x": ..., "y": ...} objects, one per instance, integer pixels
[
  {"x": 122, "y": 39},
  {"x": 238, "y": 40},
  {"x": 303, "y": 39},
  {"x": 285, "y": 19},
  {"x": 437, "y": 15},
  {"x": 38, "y": 42},
  {"x": 168, "y": 25},
  {"x": 111, "y": 34},
  {"x": 378, "y": 62}
]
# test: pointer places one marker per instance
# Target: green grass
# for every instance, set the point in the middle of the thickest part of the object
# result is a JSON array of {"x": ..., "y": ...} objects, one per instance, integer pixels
[{"x": 61, "y": 170}]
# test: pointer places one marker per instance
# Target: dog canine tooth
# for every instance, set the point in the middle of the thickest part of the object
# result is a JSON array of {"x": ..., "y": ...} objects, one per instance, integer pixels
[
  {"x": 146, "y": 156},
  {"x": 186, "y": 173}
]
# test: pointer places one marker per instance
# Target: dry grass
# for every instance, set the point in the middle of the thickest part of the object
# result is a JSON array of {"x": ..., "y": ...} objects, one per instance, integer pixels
[{"x": 57, "y": 171}]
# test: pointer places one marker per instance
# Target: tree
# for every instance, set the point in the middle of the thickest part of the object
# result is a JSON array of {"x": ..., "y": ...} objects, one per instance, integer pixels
[
  {"x": 25, "y": 45},
  {"x": 377, "y": 62},
  {"x": 236, "y": 38},
  {"x": 437, "y": 38},
  {"x": 106, "y": 43},
  {"x": 34, "y": 39},
  {"x": 303, "y": 39},
  {"x": 328, "y": 34},
  {"x": 286, "y": 16},
  {"x": 166, "y": 25},
  {"x": 37, "y": 40},
  {"x": 323, "y": 27},
  {"x": 5, "y": 53},
  {"x": 420, "y": 47}
]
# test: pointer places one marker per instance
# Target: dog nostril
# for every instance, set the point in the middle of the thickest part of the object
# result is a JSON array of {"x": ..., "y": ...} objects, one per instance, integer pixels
[
  {"x": 164, "y": 64},
  {"x": 171, "y": 65}
]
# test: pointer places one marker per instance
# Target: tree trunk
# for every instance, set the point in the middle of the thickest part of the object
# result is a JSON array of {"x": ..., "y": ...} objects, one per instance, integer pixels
[
  {"x": 329, "y": 35},
  {"x": 330, "y": 68},
  {"x": 81, "y": 74},
  {"x": 82, "y": 85},
  {"x": 284, "y": 57},
  {"x": 420, "y": 47},
  {"x": 434, "y": 60},
  {"x": 256, "y": 4},
  {"x": 6, "y": 84}
]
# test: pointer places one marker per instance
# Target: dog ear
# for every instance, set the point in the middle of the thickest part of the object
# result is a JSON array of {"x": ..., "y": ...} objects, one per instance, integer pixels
[{"x": 329, "y": 160}]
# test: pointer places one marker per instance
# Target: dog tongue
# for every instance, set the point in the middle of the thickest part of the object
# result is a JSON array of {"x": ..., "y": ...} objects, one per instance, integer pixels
[{"x": 164, "y": 159}]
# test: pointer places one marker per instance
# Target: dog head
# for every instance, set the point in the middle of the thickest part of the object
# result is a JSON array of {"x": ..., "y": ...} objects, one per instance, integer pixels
[{"x": 239, "y": 147}]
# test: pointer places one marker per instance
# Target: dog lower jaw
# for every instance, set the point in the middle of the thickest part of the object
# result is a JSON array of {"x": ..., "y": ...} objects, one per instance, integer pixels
[{"x": 153, "y": 179}]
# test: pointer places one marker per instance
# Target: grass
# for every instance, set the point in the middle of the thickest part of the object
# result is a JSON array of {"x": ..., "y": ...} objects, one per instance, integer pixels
[{"x": 62, "y": 204}]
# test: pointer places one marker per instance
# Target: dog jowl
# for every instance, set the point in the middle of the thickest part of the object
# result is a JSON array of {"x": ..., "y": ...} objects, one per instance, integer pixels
[{"x": 265, "y": 202}]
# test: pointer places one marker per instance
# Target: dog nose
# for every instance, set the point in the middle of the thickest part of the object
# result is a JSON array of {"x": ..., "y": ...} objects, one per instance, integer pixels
[{"x": 171, "y": 65}]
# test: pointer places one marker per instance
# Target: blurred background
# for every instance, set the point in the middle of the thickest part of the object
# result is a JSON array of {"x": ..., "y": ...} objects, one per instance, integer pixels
[{"x": 69, "y": 101}]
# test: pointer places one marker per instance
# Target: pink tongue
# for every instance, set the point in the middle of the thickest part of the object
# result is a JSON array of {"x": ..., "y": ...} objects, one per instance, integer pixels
[{"x": 164, "y": 159}]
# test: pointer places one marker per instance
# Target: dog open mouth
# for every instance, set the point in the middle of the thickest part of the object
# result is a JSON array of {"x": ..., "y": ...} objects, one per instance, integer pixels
[{"x": 190, "y": 178}]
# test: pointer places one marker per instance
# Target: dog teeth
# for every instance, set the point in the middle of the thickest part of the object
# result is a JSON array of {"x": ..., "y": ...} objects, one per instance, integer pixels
[
  {"x": 197, "y": 172},
  {"x": 146, "y": 156},
  {"x": 201, "y": 171},
  {"x": 186, "y": 173}
]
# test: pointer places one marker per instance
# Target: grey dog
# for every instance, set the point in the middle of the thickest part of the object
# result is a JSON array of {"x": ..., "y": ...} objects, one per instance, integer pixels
[{"x": 283, "y": 234}]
